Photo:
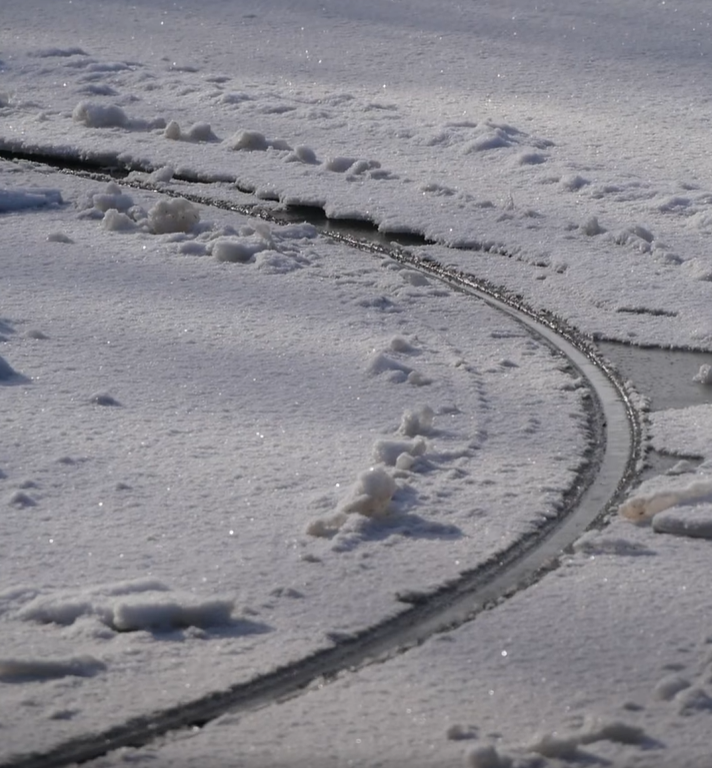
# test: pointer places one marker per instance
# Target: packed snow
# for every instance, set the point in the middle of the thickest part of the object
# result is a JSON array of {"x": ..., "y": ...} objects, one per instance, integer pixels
[{"x": 227, "y": 442}]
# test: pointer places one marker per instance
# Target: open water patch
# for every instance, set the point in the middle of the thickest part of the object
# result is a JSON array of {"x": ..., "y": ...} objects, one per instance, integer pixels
[{"x": 664, "y": 376}]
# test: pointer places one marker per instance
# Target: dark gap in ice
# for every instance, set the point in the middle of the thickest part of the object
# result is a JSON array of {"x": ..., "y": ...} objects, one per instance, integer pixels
[
  {"x": 661, "y": 463},
  {"x": 664, "y": 376},
  {"x": 647, "y": 311},
  {"x": 358, "y": 229}
]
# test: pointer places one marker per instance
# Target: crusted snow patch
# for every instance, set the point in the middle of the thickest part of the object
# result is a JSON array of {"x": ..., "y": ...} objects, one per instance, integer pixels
[
  {"x": 127, "y": 606},
  {"x": 565, "y": 747},
  {"x": 275, "y": 263},
  {"x": 681, "y": 432},
  {"x": 591, "y": 227},
  {"x": 597, "y": 543},
  {"x": 18, "y": 670},
  {"x": 159, "y": 611},
  {"x": 695, "y": 522},
  {"x": 645, "y": 507},
  {"x": 175, "y": 215}
]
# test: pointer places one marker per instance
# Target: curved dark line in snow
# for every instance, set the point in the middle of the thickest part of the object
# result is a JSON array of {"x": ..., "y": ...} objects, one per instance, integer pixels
[{"x": 615, "y": 438}]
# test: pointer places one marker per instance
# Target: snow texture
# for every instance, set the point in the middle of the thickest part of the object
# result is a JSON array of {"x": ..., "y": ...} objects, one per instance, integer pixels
[{"x": 172, "y": 419}]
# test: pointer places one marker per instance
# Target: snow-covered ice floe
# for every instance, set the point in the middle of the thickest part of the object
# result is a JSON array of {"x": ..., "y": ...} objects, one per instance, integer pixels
[
  {"x": 227, "y": 435},
  {"x": 263, "y": 375}
]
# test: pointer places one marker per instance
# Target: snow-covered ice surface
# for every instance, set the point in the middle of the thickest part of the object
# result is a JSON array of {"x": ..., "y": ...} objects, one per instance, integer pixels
[
  {"x": 571, "y": 140},
  {"x": 193, "y": 401},
  {"x": 227, "y": 447}
]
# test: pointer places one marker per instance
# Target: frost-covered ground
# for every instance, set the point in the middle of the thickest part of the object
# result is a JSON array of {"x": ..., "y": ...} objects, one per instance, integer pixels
[{"x": 198, "y": 398}]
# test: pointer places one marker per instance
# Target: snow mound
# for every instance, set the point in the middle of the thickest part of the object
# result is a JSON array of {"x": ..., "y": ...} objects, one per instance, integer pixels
[
  {"x": 418, "y": 422},
  {"x": 693, "y": 700},
  {"x": 565, "y": 747},
  {"x": 161, "y": 175},
  {"x": 390, "y": 451},
  {"x": 486, "y": 756},
  {"x": 679, "y": 431},
  {"x": 145, "y": 604},
  {"x": 176, "y": 215},
  {"x": 115, "y": 221},
  {"x": 113, "y": 197},
  {"x": 704, "y": 375},
  {"x": 275, "y": 263},
  {"x": 59, "y": 237},
  {"x": 399, "y": 344},
  {"x": 21, "y": 199},
  {"x": 595, "y": 543},
  {"x": 382, "y": 363},
  {"x": 670, "y": 686},
  {"x": 695, "y": 523},
  {"x": 95, "y": 115},
  {"x": 302, "y": 231},
  {"x": 198, "y": 132},
  {"x": 416, "y": 279},
  {"x": 302, "y": 154},
  {"x": 249, "y": 141},
  {"x": 371, "y": 494},
  {"x": 18, "y": 670},
  {"x": 165, "y": 612},
  {"x": 574, "y": 182},
  {"x": 645, "y": 507},
  {"x": 238, "y": 250},
  {"x": 339, "y": 164}
]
